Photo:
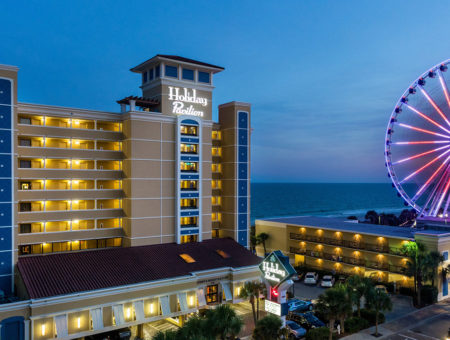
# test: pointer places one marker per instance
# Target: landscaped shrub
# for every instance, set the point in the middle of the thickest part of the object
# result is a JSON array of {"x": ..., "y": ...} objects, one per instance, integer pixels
[
  {"x": 355, "y": 324},
  {"x": 406, "y": 291},
  {"x": 370, "y": 316},
  {"x": 429, "y": 295},
  {"x": 321, "y": 333}
]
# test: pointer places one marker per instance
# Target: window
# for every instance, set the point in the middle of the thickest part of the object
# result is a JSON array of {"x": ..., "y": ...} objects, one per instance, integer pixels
[
  {"x": 144, "y": 77},
  {"x": 222, "y": 254},
  {"x": 187, "y": 258},
  {"x": 212, "y": 294},
  {"x": 24, "y": 250},
  {"x": 188, "y": 74},
  {"x": 445, "y": 255},
  {"x": 150, "y": 74},
  {"x": 25, "y": 185},
  {"x": 24, "y": 142},
  {"x": 188, "y": 130},
  {"x": 171, "y": 71},
  {"x": 203, "y": 77},
  {"x": 157, "y": 71},
  {"x": 25, "y": 120},
  {"x": 25, "y": 206},
  {"x": 188, "y": 148},
  {"x": 25, "y": 228},
  {"x": 25, "y": 164}
]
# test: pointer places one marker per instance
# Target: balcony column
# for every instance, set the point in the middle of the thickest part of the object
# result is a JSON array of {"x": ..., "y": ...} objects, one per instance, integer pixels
[
  {"x": 95, "y": 125},
  {"x": 132, "y": 105},
  {"x": 123, "y": 108}
]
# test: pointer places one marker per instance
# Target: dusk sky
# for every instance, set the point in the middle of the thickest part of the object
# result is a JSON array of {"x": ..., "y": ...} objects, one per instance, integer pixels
[{"x": 322, "y": 76}]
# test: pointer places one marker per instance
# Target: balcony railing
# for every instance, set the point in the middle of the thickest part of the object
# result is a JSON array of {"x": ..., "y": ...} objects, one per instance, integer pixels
[
  {"x": 348, "y": 260},
  {"x": 343, "y": 243}
]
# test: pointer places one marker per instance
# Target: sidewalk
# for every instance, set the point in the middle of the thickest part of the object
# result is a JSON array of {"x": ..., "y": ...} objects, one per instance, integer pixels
[{"x": 412, "y": 320}]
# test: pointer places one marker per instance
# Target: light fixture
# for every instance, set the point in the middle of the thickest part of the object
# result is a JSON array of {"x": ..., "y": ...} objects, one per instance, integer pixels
[
  {"x": 191, "y": 300},
  {"x": 152, "y": 307},
  {"x": 238, "y": 291},
  {"x": 43, "y": 329},
  {"x": 78, "y": 322},
  {"x": 128, "y": 313},
  {"x": 77, "y": 162}
]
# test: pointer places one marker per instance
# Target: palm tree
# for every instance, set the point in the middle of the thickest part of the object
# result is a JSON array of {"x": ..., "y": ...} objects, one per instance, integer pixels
[
  {"x": 167, "y": 335},
  {"x": 379, "y": 301},
  {"x": 223, "y": 321},
  {"x": 263, "y": 237},
  {"x": 195, "y": 328},
  {"x": 422, "y": 265},
  {"x": 334, "y": 304},
  {"x": 254, "y": 241},
  {"x": 268, "y": 328},
  {"x": 358, "y": 287},
  {"x": 432, "y": 261},
  {"x": 251, "y": 292}
]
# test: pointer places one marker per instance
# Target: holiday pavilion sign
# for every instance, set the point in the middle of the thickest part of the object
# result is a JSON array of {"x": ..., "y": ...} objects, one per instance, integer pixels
[
  {"x": 276, "y": 268},
  {"x": 186, "y": 102}
]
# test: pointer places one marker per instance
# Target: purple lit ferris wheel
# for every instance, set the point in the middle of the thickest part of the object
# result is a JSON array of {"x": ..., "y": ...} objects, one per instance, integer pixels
[{"x": 417, "y": 148}]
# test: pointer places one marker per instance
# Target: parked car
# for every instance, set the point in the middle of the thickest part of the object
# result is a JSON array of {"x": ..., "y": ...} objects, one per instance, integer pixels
[
  {"x": 300, "y": 305},
  {"x": 298, "y": 318},
  {"x": 311, "y": 278},
  {"x": 327, "y": 281},
  {"x": 295, "y": 329},
  {"x": 313, "y": 320},
  {"x": 382, "y": 288}
]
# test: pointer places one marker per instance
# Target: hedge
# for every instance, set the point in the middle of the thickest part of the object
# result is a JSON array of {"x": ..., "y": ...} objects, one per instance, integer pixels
[
  {"x": 321, "y": 333},
  {"x": 370, "y": 316},
  {"x": 429, "y": 295},
  {"x": 355, "y": 324}
]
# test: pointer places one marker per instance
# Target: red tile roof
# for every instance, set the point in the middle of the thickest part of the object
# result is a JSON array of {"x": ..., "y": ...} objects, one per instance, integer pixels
[{"x": 68, "y": 273}]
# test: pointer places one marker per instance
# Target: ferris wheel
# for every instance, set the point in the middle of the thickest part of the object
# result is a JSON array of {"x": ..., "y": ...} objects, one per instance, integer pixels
[{"x": 417, "y": 148}]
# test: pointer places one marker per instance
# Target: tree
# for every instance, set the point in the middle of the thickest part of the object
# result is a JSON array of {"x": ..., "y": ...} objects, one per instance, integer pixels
[
  {"x": 334, "y": 304},
  {"x": 223, "y": 322},
  {"x": 432, "y": 261},
  {"x": 422, "y": 265},
  {"x": 251, "y": 292},
  {"x": 263, "y": 237},
  {"x": 378, "y": 301},
  {"x": 372, "y": 217},
  {"x": 194, "y": 329},
  {"x": 254, "y": 241},
  {"x": 167, "y": 335},
  {"x": 268, "y": 328},
  {"x": 357, "y": 287}
]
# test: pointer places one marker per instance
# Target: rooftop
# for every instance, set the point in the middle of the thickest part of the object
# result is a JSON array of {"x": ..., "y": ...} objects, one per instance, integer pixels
[
  {"x": 139, "y": 68},
  {"x": 343, "y": 225},
  {"x": 68, "y": 273}
]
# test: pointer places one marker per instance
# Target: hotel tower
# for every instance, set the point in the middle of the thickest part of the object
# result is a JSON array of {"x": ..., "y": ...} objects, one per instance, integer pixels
[{"x": 157, "y": 173}]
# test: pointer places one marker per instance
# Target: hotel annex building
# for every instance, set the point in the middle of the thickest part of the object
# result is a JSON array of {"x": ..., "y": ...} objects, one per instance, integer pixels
[{"x": 117, "y": 219}]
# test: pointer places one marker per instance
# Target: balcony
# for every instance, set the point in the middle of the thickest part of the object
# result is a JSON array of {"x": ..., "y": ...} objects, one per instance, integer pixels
[
  {"x": 381, "y": 266},
  {"x": 343, "y": 243}
]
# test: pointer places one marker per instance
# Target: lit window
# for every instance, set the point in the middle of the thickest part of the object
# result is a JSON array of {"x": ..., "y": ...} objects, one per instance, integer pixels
[
  {"x": 187, "y": 258},
  {"x": 222, "y": 253}
]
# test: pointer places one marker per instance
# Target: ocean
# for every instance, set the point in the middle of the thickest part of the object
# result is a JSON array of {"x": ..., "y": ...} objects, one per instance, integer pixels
[{"x": 322, "y": 199}]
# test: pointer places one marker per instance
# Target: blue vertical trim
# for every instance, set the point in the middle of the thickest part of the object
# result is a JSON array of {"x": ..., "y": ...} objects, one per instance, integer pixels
[
  {"x": 242, "y": 192},
  {"x": 6, "y": 193}
]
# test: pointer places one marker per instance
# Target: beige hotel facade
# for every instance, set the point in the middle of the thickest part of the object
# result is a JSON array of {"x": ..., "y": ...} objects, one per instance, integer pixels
[{"x": 81, "y": 186}]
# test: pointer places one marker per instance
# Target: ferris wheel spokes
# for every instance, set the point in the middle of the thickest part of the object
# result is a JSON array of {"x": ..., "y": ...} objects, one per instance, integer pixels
[
  {"x": 433, "y": 103},
  {"x": 427, "y": 183},
  {"x": 422, "y": 130},
  {"x": 420, "y": 154},
  {"x": 425, "y": 166},
  {"x": 424, "y": 116},
  {"x": 444, "y": 87}
]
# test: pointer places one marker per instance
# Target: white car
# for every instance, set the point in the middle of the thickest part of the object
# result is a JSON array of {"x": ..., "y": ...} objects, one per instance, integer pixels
[
  {"x": 382, "y": 288},
  {"x": 311, "y": 278},
  {"x": 327, "y": 281}
]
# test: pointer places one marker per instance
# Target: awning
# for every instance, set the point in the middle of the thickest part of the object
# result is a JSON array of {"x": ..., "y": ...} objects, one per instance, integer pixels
[
  {"x": 226, "y": 289},
  {"x": 165, "y": 305},
  {"x": 97, "y": 318},
  {"x": 61, "y": 326},
  {"x": 118, "y": 315},
  {"x": 201, "y": 297},
  {"x": 139, "y": 310},
  {"x": 182, "y": 299}
]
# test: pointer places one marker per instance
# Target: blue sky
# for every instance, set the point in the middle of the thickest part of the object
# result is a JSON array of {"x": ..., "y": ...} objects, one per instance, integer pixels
[{"x": 322, "y": 76}]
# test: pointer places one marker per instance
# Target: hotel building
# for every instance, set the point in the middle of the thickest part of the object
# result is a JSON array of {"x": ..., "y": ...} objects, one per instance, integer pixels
[
  {"x": 158, "y": 181},
  {"x": 348, "y": 247}
]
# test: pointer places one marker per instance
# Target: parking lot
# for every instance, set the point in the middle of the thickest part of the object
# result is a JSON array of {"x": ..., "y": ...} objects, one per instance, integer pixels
[{"x": 402, "y": 305}]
